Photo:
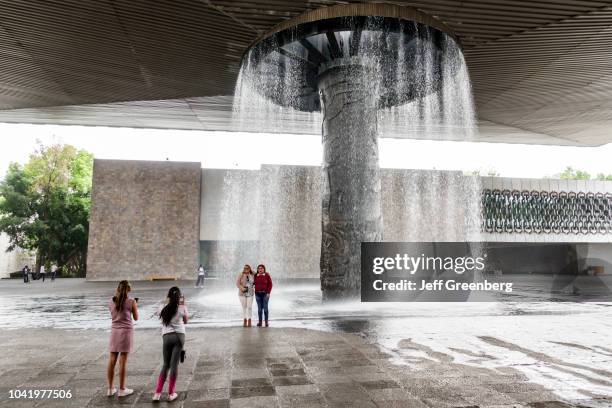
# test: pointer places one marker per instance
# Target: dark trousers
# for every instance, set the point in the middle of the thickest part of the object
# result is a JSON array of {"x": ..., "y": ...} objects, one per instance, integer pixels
[
  {"x": 53, "y": 275},
  {"x": 43, "y": 276},
  {"x": 262, "y": 304},
  {"x": 200, "y": 280},
  {"x": 173, "y": 344},
  {"x": 26, "y": 278}
]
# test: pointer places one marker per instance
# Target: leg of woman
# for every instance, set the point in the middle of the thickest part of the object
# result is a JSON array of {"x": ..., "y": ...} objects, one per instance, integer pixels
[
  {"x": 265, "y": 306},
  {"x": 179, "y": 339},
  {"x": 249, "y": 307},
  {"x": 122, "y": 363},
  {"x": 110, "y": 372},
  {"x": 243, "y": 303},
  {"x": 259, "y": 300},
  {"x": 167, "y": 351}
]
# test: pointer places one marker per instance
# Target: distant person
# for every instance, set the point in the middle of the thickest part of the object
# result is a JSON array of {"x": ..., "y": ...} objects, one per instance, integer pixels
[
  {"x": 53, "y": 271},
  {"x": 173, "y": 317},
  {"x": 123, "y": 310},
  {"x": 26, "y": 274},
  {"x": 246, "y": 289},
  {"x": 42, "y": 272},
  {"x": 263, "y": 288},
  {"x": 201, "y": 274}
]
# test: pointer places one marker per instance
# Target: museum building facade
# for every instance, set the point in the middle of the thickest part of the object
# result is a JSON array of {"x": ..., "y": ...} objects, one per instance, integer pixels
[{"x": 154, "y": 220}]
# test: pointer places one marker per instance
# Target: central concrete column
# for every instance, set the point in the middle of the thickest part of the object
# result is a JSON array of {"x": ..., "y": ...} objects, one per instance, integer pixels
[{"x": 351, "y": 177}]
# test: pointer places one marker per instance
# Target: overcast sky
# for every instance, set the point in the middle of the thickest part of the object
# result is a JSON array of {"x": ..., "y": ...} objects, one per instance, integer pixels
[{"x": 245, "y": 150}]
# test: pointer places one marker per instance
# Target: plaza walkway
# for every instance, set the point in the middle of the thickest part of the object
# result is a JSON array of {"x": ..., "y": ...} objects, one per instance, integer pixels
[
  {"x": 258, "y": 367},
  {"x": 485, "y": 355}
]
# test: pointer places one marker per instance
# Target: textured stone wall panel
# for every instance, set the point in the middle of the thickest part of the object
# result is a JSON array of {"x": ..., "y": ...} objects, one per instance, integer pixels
[{"x": 145, "y": 220}]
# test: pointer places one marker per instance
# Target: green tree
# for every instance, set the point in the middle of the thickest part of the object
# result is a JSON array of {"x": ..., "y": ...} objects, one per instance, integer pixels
[
  {"x": 604, "y": 177},
  {"x": 45, "y": 206},
  {"x": 478, "y": 172},
  {"x": 571, "y": 174}
]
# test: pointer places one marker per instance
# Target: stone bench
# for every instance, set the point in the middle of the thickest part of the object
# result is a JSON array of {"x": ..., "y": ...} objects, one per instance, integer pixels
[{"x": 162, "y": 277}]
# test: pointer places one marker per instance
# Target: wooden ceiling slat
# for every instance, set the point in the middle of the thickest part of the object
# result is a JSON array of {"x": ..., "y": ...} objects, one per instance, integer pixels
[{"x": 552, "y": 56}]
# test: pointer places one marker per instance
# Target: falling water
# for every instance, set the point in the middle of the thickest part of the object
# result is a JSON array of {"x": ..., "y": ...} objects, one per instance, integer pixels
[
  {"x": 270, "y": 216},
  {"x": 424, "y": 93},
  {"x": 237, "y": 235},
  {"x": 254, "y": 111},
  {"x": 429, "y": 66}
]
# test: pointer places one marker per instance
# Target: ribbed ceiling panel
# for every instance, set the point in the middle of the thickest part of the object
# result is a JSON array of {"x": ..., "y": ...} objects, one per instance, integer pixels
[
  {"x": 540, "y": 69},
  {"x": 554, "y": 79}
]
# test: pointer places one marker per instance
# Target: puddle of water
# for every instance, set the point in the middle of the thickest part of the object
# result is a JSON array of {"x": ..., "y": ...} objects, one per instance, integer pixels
[{"x": 290, "y": 305}]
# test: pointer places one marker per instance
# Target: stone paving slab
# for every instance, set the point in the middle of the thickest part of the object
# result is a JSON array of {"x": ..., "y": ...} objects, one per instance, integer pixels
[{"x": 260, "y": 367}]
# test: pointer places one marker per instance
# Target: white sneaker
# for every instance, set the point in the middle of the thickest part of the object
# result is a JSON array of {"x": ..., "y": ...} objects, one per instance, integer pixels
[
  {"x": 125, "y": 392},
  {"x": 156, "y": 397},
  {"x": 110, "y": 392},
  {"x": 172, "y": 397}
]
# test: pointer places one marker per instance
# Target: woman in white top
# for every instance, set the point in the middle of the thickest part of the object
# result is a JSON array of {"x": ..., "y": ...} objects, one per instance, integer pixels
[
  {"x": 174, "y": 316},
  {"x": 246, "y": 289}
]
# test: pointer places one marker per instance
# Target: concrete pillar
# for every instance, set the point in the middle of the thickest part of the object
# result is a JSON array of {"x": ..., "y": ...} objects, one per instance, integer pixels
[{"x": 351, "y": 177}]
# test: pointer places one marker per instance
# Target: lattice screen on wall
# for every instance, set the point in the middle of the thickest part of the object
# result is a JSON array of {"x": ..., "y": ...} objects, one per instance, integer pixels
[{"x": 540, "y": 212}]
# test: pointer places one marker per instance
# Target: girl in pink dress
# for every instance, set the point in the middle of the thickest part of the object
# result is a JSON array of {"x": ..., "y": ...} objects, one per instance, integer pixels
[{"x": 123, "y": 309}]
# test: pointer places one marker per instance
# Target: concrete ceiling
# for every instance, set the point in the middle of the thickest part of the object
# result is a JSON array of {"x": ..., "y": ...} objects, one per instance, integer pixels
[{"x": 541, "y": 70}]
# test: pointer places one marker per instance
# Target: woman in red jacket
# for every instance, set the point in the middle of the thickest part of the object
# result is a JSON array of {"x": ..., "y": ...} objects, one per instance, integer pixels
[{"x": 263, "y": 288}]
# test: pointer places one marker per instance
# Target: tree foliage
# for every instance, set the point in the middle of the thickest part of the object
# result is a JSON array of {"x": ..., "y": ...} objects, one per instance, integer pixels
[
  {"x": 604, "y": 177},
  {"x": 573, "y": 174},
  {"x": 480, "y": 173},
  {"x": 45, "y": 206}
]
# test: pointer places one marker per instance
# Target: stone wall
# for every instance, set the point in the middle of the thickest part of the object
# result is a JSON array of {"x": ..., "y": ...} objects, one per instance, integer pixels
[
  {"x": 145, "y": 220},
  {"x": 15, "y": 260}
]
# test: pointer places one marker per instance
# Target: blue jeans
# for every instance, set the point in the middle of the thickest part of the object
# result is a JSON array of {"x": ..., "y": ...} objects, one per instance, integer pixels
[{"x": 262, "y": 304}]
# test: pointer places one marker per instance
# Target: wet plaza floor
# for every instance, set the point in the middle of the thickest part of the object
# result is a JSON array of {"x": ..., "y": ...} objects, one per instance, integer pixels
[{"x": 514, "y": 354}]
